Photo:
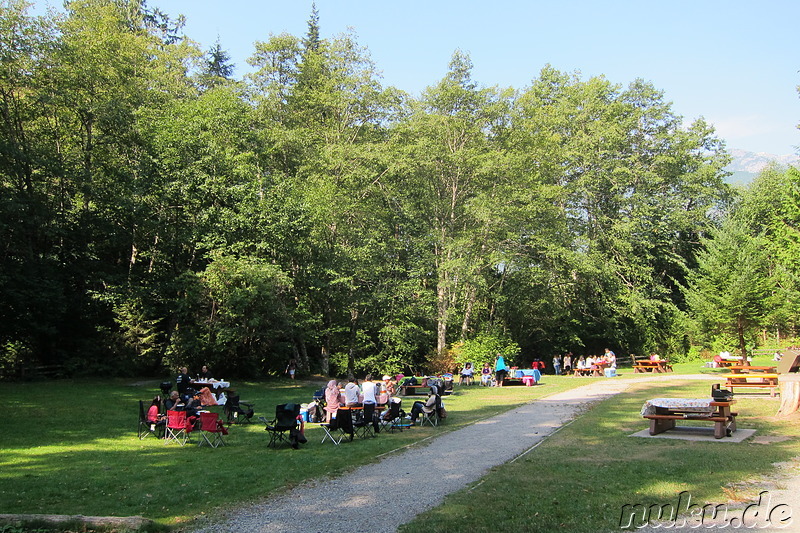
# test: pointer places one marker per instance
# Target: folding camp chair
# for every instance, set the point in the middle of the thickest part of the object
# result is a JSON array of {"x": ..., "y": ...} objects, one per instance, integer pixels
[
  {"x": 176, "y": 428},
  {"x": 365, "y": 426},
  {"x": 235, "y": 412},
  {"x": 395, "y": 418},
  {"x": 331, "y": 430},
  {"x": 340, "y": 427},
  {"x": 146, "y": 427},
  {"x": 286, "y": 420},
  {"x": 432, "y": 418},
  {"x": 212, "y": 430}
]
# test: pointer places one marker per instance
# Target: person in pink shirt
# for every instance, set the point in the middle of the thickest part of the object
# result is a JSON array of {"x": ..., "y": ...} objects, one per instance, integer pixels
[
  {"x": 331, "y": 400},
  {"x": 154, "y": 416}
]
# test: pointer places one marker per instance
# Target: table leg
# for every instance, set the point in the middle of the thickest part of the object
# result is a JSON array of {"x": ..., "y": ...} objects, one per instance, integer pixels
[{"x": 660, "y": 425}]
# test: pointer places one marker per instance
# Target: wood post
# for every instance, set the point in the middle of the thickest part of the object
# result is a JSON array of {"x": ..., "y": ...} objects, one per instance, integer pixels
[{"x": 790, "y": 393}]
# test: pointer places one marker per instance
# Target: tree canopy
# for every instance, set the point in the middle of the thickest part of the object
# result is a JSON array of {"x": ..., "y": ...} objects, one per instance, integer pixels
[{"x": 155, "y": 211}]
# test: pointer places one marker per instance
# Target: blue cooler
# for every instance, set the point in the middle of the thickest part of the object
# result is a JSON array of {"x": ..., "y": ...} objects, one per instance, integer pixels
[{"x": 610, "y": 372}]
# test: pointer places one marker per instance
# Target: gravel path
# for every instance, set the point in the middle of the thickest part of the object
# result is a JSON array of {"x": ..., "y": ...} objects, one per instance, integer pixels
[{"x": 508, "y": 436}]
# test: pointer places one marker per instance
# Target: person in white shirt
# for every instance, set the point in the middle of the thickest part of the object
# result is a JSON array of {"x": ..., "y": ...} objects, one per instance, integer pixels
[
  {"x": 368, "y": 390},
  {"x": 611, "y": 357}
]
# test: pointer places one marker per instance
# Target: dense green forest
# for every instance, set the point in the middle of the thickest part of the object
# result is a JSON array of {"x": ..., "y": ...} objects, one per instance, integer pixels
[{"x": 155, "y": 211}]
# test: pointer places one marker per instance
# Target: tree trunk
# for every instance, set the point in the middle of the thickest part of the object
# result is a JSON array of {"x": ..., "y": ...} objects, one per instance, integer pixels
[
  {"x": 441, "y": 318},
  {"x": 472, "y": 296},
  {"x": 740, "y": 332},
  {"x": 351, "y": 353},
  {"x": 300, "y": 348},
  {"x": 325, "y": 361},
  {"x": 790, "y": 393}
]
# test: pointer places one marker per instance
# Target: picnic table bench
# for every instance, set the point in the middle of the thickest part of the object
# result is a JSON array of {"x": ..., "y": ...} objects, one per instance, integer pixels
[
  {"x": 763, "y": 351},
  {"x": 411, "y": 390},
  {"x": 762, "y": 380},
  {"x": 663, "y": 412},
  {"x": 645, "y": 365},
  {"x": 748, "y": 369}
]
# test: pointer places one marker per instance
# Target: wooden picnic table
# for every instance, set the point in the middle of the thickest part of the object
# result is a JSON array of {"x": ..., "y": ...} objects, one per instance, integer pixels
[
  {"x": 663, "y": 412},
  {"x": 729, "y": 362},
  {"x": 646, "y": 365}
]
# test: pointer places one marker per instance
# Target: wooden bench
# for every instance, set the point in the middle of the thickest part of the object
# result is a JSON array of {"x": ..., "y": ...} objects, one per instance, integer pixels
[
  {"x": 659, "y": 366},
  {"x": 411, "y": 390},
  {"x": 724, "y": 420},
  {"x": 749, "y": 369},
  {"x": 723, "y": 425},
  {"x": 760, "y": 380},
  {"x": 43, "y": 372}
]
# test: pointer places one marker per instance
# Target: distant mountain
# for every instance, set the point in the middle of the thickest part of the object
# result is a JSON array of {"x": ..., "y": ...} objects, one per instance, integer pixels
[
  {"x": 746, "y": 165},
  {"x": 754, "y": 163}
]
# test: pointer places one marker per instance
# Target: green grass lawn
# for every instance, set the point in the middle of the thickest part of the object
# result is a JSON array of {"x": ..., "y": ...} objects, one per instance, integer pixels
[
  {"x": 580, "y": 478},
  {"x": 70, "y": 447}
]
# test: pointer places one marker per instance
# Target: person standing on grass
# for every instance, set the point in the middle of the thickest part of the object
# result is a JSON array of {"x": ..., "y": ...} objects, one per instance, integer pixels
[
  {"x": 500, "y": 370},
  {"x": 557, "y": 364},
  {"x": 568, "y": 362},
  {"x": 291, "y": 368},
  {"x": 182, "y": 381},
  {"x": 331, "y": 400}
]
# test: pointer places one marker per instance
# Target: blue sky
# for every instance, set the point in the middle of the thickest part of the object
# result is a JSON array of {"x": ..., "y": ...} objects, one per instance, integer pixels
[{"x": 733, "y": 62}]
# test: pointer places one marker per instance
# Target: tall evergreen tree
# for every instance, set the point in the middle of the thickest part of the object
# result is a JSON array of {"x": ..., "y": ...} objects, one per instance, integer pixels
[
  {"x": 217, "y": 67},
  {"x": 729, "y": 292}
]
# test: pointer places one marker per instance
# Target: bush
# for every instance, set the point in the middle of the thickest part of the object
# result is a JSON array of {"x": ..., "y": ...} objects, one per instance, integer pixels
[{"x": 483, "y": 349}]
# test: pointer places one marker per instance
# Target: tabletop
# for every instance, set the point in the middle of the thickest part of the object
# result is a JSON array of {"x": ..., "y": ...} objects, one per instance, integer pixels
[{"x": 699, "y": 405}]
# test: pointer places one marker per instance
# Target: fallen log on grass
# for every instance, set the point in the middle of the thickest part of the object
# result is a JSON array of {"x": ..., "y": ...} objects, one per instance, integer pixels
[{"x": 124, "y": 523}]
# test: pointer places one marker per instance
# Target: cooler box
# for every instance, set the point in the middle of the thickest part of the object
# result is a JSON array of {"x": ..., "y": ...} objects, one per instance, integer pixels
[{"x": 610, "y": 372}]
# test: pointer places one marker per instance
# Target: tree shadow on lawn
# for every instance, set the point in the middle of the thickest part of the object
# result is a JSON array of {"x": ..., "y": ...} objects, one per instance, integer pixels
[{"x": 75, "y": 450}]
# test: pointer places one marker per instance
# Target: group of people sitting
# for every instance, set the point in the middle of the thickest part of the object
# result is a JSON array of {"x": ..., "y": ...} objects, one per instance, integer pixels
[
  {"x": 191, "y": 403},
  {"x": 185, "y": 398},
  {"x": 585, "y": 365},
  {"x": 489, "y": 376},
  {"x": 493, "y": 376},
  {"x": 382, "y": 393}
]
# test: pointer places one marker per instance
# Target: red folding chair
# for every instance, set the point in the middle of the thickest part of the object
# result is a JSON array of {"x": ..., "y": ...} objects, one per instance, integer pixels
[
  {"x": 176, "y": 428},
  {"x": 212, "y": 429}
]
